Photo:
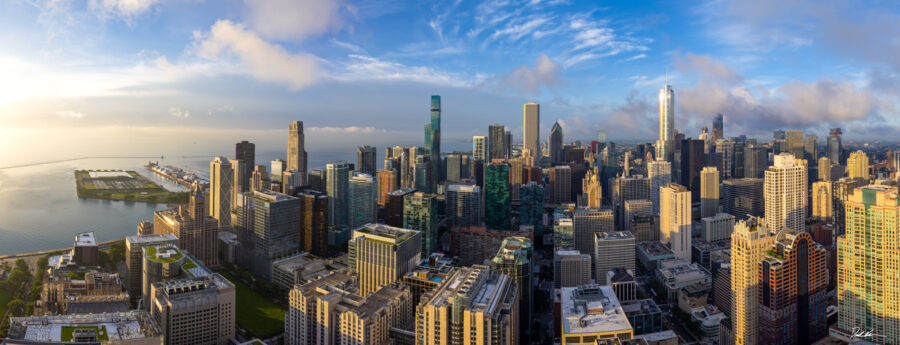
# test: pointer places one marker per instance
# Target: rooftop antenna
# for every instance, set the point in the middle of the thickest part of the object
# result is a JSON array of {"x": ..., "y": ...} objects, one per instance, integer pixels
[{"x": 667, "y": 75}]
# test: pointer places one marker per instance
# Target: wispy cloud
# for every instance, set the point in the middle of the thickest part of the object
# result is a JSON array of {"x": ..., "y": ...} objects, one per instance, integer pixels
[
  {"x": 69, "y": 114},
  {"x": 179, "y": 113},
  {"x": 360, "y": 67},
  {"x": 126, "y": 9}
]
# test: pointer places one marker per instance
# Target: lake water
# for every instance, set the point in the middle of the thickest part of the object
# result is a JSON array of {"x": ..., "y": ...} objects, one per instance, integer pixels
[{"x": 40, "y": 210}]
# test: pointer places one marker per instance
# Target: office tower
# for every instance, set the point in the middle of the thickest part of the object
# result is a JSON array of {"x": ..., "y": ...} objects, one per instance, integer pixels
[
  {"x": 259, "y": 179},
  {"x": 337, "y": 185},
  {"x": 290, "y": 182},
  {"x": 637, "y": 208},
  {"x": 841, "y": 191},
  {"x": 475, "y": 244},
  {"x": 381, "y": 254},
  {"x": 365, "y": 159},
  {"x": 532, "y": 174},
  {"x": 515, "y": 176},
  {"x": 221, "y": 182},
  {"x": 276, "y": 168},
  {"x": 421, "y": 174},
  {"x": 532, "y": 125},
  {"x": 749, "y": 243},
  {"x": 811, "y": 148},
  {"x": 718, "y": 227},
  {"x": 612, "y": 250},
  {"x": 134, "y": 259},
  {"x": 405, "y": 174},
  {"x": 571, "y": 268},
  {"x": 496, "y": 196},
  {"x": 516, "y": 260},
  {"x": 709, "y": 192},
  {"x": 393, "y": 208},
  {"x": 241, "y": 181},
  {"x": 665, "y": 146},
  {"x": 318, "y": 179},
  {"x": 478, "y": 149},
  {"x": 85, "y": 251},
  {"x": 785, "y": 194},
  {"x": 821, "y": 200},
  {"x": 675, "y": 219},
  {"x": 835, "y": 146},
  {"x": 197, "y": 310},
  {"x": 478, "y": 172},
  {"x": 560, "y": 184},
  {"x": 692, "y": 162},
  {"x": 496, "y": 142},
  {"x": 556, "y": 144},
  {"x": 361, "y": 200},
  {"x": 718, "y": 128},
  {"x": 387, "y": 182},
  {"x": 332, "y": 311},
  {"x": 725, "y": 150},
  {"x": 858, "y": 166},
  {"x": 245, "y": 152},
  {"x": 563, "y": 233},
  {"x": 433, "y": 144},
  {"x": 824, "y": 171},
  {"x": 296, "y": 150},
  {"x": 475, "y": 303},
  {"x": 592, "y": 189},
  {"x": 867, "y": 287},
  {"x": 420, "y": 214},
  {"x": 585, "y": 223},
  {"x": 628, "y": 188},
  {"x": 531, "y": 205},
  {"x": 756, "y": 160},
  {"x": 507, "y": 144},
  {"x": 314, "y": 222},
  {"x": 793, "y": 139},
  {"x": 743, "y": 197},
  {"x": 454, "y": 167},
  {"x": 197, "y": 232},
  {"x": 592, "y": 312},
  {"x": 660, "y": 174},
  {"x": 792, "y": 301},
  {"x": 268, "y": 227},
  {"x": 463, "y": 204},
  {"x": 160, "y": 262}
]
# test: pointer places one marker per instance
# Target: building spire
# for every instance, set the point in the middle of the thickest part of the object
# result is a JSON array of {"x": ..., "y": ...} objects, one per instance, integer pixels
[{"x": 667, "y": 75}]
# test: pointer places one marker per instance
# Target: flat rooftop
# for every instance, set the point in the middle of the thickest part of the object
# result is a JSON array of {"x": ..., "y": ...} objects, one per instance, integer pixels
[
  {"x": 85, "y": 239},
  {"x": 110, "y": 327},
  {"x": 655, "y": 248},
  {"x": 610, "y": 236},
  {"x": 592, "y": 309},
  {"x": 383, "y": 232},
  {"x": 163, "y": 254}
]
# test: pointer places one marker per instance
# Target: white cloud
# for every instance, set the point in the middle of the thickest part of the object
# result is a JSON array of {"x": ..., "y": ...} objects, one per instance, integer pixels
[
  {"x": 707, "y": 67},
  {"x": 179, "y": 113},
  {"x": 69, "y": 114},
  {"x": 292, "y": 20},
  {"x": 126, "y": 9},
  {"x": 263, "y": 60},
  {"x": 545, "y": 73},
  {"x": 370, "y": 68}
]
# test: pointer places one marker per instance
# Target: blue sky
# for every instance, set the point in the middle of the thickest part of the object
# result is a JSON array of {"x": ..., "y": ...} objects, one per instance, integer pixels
[{"x": 365, "y": 69}]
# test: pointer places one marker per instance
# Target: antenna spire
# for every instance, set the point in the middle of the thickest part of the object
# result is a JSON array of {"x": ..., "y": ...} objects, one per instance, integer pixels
[{"x": 667, "y": 75}]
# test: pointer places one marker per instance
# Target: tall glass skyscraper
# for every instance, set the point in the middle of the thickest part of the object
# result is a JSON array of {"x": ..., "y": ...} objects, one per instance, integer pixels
[
  {"x": 433, "y": 142},
  {"x": 336, "y": 186},
  {"x": 361, "y": 200},
  {"x": 665, "y": 146},
  {"x": 531, "y": 205},
  {"x": 556, "y": 143},
  {"x": 420, "y": 214},
  {"x": 496, "y": 197}
]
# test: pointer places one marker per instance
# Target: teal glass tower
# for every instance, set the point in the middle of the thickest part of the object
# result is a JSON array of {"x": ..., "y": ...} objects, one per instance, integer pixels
[
  {"x": 433, "y": 143},
  {"x": 496, "y": 197},
  {"x": 531, "y": 205},
  {"x": 420, "y": 214}
]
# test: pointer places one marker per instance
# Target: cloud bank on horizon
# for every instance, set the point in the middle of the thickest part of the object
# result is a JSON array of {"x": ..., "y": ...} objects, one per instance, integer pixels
[{"x": 371, "y": 65}]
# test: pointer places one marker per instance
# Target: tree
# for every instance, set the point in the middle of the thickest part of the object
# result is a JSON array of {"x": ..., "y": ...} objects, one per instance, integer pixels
[
  {"x": 16, "y": 307},
  {"x": 117, "y": 252},
  {"x": 20, "y": 264},
  {"x": 17, "y": 277}
]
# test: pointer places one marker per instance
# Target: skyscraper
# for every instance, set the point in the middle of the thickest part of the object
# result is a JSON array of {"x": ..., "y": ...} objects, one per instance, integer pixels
[
  {"x": 259, "y": 179},
  {"x": 821, "y": 200},
  {"x": 337, "y": 185},
  {"x": 693, "y": 159},
  {"x": 497, "y": 196},
  {"x": 365, "y": 159},
  {"x": 478, "y": 150},
  {"x": 497, "y": 142},
  {"x": 387, "y": 182},
  {"x": 824, "y": 166},
  {"x": 556, "y": 144},
  {"x": 531, "y": 205},
  {"x": 420, "y": 214},
  {"x": 709, "y": 192},
  {"x": 858, "y": 166},
  {"x": 793, "y": 281},
  {"x": 867, "y": 284},
  {"x": 197, "y": 232},
  {"x": 785, "y": 194},
  {"x": 276, "y": 168},
  {"x": 841, "y": 191},
  {"x": 245, "y": 152},
  {"x": 612, "y": 250},
  {"x": 835, "y": 146},
  {"x": 586, "y": 222},
  {"x": 560, "y": 184},
  {"x": 463, "y": 203},
  {"x": 756, "y": 160},
  {"x": 433, "y": 142},
  {"x": 221, "y": 182},
  {"x": 592, "y": 189},
  {"x": 454, "y": 167},
  {"x": 718, "y": 128},
  {"x": 793, "y": 139},
  {"x": 665, "y": 146},
  {"x": 361, "y": 200},
  {"x": 749, "y": 243},
  {"x": 660, "y": 174},
  {"x": 314, "y": 222},
  {"x": 268, "y": 226},
  {"x": 743, "y": 197},
  {"x": 515, "y": 259},
  {"x": 296, "y": 150},
  {"x": 675, "y": 219},
  {"x": 381, "y": 254},
  {"x": 532, "y": 137}
]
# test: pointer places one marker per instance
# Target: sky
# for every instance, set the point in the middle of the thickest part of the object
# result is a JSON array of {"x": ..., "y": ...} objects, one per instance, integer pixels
[{"x": 192, "y": 76}]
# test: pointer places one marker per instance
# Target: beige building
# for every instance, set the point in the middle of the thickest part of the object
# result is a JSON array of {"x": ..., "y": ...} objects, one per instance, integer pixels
[
  {"x": 709, "y": 192},
  {"x": 221, "y": 182},
  {"x": 591, "y": 312},
  {"x": 591, "y": 188},
  {"x": 784, "y": 190},
  {"x": 197, "y": 232},
  {"x": 612, "y": 250},
  {"x": 821, "y": 200},
  {"x": 858, "y": 165},
  {"x": 387, "y": 182},
  {"x": 475, "y": 306},
  {"x": 296, "y": 150},
  {"x": 330, "y": 311},
  {"x": 532, "y": 117},
  {"x": 571, "y": 268},
  {"x": 660, "y": 173},
  {"x": 824, "y": 169},
  {"x": 675, "y": 219},
  {"x": 195, "y": 311},
  {"x": 586, "y": 222},
  {"x": 134, "y": 258},
  {"x": 749, "y": 243},
  {"x": 381, "y": 254}
]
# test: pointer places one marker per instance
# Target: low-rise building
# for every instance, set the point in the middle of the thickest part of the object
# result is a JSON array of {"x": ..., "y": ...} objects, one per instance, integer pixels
[
  {"x": 709, "y": 317},
  {"x": 650, "y": 253},
  {"x": 675, "y": 274},
  {"x": 693, "y": 296},
  {"x": 592, "y": 312},
  {"x": 96, "y": 293},
  {"x": 701, "y": 251},
  {"x": 644, "y": 315},
  {"x": 125, "y": 328},
  {"x": 85, "y": 251},
  {"x": 301, "y": 268},
  {"x": 718, "y": 227}
]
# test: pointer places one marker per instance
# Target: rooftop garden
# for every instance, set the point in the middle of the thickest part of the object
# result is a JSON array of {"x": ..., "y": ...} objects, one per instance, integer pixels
[
  {"x": 774, "y": 254},
  {"x": 152, "y": 254},
  {"x": 67, "y": 331}
]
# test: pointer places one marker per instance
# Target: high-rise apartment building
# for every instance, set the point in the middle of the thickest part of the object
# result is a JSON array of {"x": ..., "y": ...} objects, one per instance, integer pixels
[
  {"x": 821, "y": 200},
  {"x": 245, "y": 152},
  {"x": 259, "y": 179},
  {"x": 824, "y": 166},
  {"x": 675, "y": 219},
  {"x": 560, "y": 184},
  {"x": 555, "y": 144},
  {"x": 197, "y": 310},
  {"x": 365, "y": 159},
  {"x": 835, "y": 147},
  {"x": 516, "y": 260},
  {"x": 463, "y": 204},
  {"x": 474, "y": 303},
  {"x": 532, "y": 125},
  {"x": 268, "y": 227},
  {"x": 636, "y": 187},
  {"x": 478, "y": 149},
  {"x": 612, "y": 250},
  {"x": 531, "y": 205},
  {"x": 337, "y": 185},
  {"x": 314, "y": 222},
  {"x": 785, "y": 194},
  {"x": 868, "y": 291},
  {"x": 841, "y": 191},
  {"x": 586, "y": 222},
  {"x": 709, "y": 192},
  {"x": 393, "y": 208},
  {"x": 858, "y": 166},
  {"x": 693, "y": 159},
  {"x": 571, "y": 268},
  {"x": 420, "y": 214},
  {"x": 793, "y": 281},
  {"x": 660, "y": 174},
  {"x": 277, "y": 167},
  {"x": 433, "y": 143},
  {"x": 361, "y": 197},
  {"x": 197, "y": 232},
  {"x": 296, "y": 150},
  {"x": 743, "y": 197},
  {"x": 381, "y": 254},
  {"x": 756, "y": 160},
  {"x": 387, "y": 182},
  {"x": 497, "y": 196},
  {"x": 665, "y": 146},
  {"x": 221, "y": 182},
  {"x": 749, "y": 243}
]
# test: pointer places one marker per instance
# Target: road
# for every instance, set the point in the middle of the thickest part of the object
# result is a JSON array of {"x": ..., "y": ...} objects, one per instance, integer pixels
[{"x": 683, "y": 335}]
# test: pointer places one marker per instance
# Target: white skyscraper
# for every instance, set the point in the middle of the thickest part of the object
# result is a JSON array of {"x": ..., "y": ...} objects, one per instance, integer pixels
[
  {"x": 675, "y": 219},
  {"x": 221, "y": 182},
  {"x": 784, "y": 190},
  {"x": 660, "y": 174},
  {"x": 532, "y": 135},
  {"x": 665, "y": 146}
]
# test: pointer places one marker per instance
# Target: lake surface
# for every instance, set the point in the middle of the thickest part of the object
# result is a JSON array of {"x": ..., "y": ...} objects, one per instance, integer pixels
[{"x": 40, "y": 210}]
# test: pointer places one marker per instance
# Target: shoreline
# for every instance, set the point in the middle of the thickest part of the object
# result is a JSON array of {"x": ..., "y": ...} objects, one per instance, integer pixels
[{"x": 100, "y": 245}]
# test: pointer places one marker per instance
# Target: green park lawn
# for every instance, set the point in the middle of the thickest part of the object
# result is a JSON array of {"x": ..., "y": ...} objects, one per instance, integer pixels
[
  {"x": 66, "y": 332},
  {"x": 5, "y": 297},
  {"x": 255, "y": 313}
]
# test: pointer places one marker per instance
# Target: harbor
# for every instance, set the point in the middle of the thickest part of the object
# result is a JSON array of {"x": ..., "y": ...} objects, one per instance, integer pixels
[{"x": 176, "y": 174}]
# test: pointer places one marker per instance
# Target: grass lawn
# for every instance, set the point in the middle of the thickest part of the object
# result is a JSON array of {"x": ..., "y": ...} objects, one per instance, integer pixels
[
  {"x": 66, "y": 332},
  {"x": 256, "y": 313},
  {"x": 5, "y": 297}
]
